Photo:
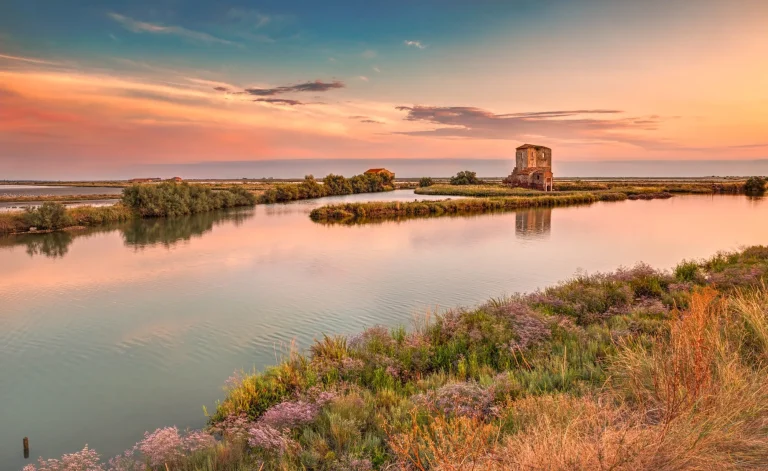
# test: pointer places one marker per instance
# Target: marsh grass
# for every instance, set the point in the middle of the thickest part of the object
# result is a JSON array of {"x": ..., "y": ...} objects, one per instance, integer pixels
[
  {"x": 357, "y": 212},
  {"x": 18, "y": 221},
  {"x": 638, "y": 369}
]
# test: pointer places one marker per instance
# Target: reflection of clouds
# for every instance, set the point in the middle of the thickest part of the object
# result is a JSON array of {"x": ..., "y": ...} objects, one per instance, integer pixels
[
  {"x": 459, "y": 231},
  {"x": 534, "y": 223}
]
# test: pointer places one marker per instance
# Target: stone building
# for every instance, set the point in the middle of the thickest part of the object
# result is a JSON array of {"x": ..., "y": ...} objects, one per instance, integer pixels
[{"x": 533, "y": 168}]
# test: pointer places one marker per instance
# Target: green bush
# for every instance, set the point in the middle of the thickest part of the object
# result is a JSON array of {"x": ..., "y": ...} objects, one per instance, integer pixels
[
  {"x": 687, "y": 271},
  {"x": 337, "y": 185},
  {"x": 178, "y": 199},
  {"x": 48, "y": 216},
  {"x": 333, "y": 185},
  {"x": 425, "y": 182},
  {"x": 466, "y": 178},
  {"x": 755, "y": 186}
]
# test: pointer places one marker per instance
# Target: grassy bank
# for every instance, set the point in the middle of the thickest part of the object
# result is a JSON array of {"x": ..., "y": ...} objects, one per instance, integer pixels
[
  {"x": 19, "y": 221},
  {"x": 358, "y": 212},
  {"x": 638, "y": 369},
  {"x": 476, "y": 190},
  {"x": 628, "y": 187}
]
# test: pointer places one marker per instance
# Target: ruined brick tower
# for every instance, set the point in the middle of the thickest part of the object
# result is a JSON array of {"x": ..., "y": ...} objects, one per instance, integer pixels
[{"x": 533, "y": 168}]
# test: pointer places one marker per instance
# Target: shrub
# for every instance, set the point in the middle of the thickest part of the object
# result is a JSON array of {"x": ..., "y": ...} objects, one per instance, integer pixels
[
  {"x": 755, "y": 186},
  {"x": 465, "y": 178},
  {"x": 48, "y": 216},
  {"x": 337, "y": 185},
  {"x": 332, "y": 185},
  {"x": 173, "y": 199},
  {"x": 425, "y": 182},
  {"x": 687, "y": 271}
]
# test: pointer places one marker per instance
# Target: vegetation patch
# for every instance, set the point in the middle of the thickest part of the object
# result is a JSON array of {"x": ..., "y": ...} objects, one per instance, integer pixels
[
  {"x": 333, "y": 185},
  {"x": 361, "y": 212},
  {"x": 179, "y": 199}
]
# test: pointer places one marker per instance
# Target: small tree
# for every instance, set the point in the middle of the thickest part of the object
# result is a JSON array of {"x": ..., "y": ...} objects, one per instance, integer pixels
[
  {"x": 48, "y": 216},
  {"x": 465, "y": 178},
  {"x": 755, "y": 186},
  {"x": 425, "y": 182}
]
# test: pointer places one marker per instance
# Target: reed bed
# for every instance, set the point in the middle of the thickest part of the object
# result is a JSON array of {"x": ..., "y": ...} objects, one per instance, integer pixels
[{"x": 394, "y": 210}]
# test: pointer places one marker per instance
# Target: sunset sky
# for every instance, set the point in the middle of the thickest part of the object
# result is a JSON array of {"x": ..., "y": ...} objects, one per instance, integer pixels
[{"x": 107, "y": 89}]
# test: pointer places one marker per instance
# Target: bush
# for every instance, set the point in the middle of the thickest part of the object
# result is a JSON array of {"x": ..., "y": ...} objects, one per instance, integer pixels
[
  {"x": 333, "y": 185},
  {"x": 173, "y": 199},
  {"x": 466, "y": 178},
  {"x": 48, "y": 216},
  {"x": 337, "y": 185},
  {"x": 425, "y": 182},
  {"x": 755, "y": 186}
]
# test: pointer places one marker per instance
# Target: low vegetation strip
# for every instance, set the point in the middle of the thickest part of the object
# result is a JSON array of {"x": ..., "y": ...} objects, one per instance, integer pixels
[
  {"x": 394, "y": 210},
  {"x": 476, "y": 190},
  {"x": 332, "y": 185},
  {"x": 638, "y": 369},
  {"x": 54, "y": 216},
  {"x": 570, "y": 187}
]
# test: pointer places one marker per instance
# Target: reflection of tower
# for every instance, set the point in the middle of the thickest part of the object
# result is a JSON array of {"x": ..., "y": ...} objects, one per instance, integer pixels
[{"x": 533, "y": 223}]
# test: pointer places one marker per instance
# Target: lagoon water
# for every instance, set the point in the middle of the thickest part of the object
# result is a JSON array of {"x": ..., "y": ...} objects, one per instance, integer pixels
[
  {"x": 110, "y": 332},
  {"x": 53, "y": 190}
]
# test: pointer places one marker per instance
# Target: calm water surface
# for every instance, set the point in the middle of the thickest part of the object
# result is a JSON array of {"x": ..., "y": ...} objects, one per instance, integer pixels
[
  {"x": 107, "y": 333},
  {"x": 37, "y": 190}
]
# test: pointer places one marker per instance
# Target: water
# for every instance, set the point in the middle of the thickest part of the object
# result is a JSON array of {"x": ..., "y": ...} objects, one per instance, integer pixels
[
  {"x": 47, "y": 190},
  {"x": 38, "y": 190},
  {"x": 112, "y": 331},
  {"x": 17, "y": 206}
]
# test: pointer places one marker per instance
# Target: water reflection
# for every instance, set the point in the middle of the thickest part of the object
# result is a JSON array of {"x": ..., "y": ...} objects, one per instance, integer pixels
[
  {"x": 140, "y": 233},
  {"x": 53, "y": 245},
  {"x": 533, "y": 223}
]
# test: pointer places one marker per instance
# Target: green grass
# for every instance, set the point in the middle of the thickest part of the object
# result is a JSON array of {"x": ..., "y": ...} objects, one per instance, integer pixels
[
  {"x": 476, "y": 190},
  {"x": 360, "y": 212},
  {"x": 16, "y": 221}
]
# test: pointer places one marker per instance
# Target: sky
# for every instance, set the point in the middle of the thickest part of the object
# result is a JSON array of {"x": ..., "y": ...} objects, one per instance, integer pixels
[{"x": 113, "y": 89}]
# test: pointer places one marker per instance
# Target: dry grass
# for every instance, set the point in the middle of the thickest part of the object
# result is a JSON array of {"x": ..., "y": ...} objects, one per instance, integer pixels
[
  {"x": 456, "y": 444},
  {"x": 692, "y": 401}
]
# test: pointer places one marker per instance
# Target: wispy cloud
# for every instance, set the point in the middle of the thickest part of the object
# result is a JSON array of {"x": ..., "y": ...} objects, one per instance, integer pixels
[
  {"x": 363, "y": 78},
  {"x": 376, "y": 69},
  {"x": 368, "y": 54},
  {"x": 370, "y": 121},
  {"x": 316, "y": 86},
  {"x": 136, "y": 26},
  {"x": 281, "y": 101},
  {"x": 28, "y": 59},
  {"x": 416, "y": 44},
  {"x": 472, "y": 122}
]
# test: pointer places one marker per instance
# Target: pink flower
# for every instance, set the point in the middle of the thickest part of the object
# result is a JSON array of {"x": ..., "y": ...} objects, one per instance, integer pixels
[{"x": 84, "y": 460}]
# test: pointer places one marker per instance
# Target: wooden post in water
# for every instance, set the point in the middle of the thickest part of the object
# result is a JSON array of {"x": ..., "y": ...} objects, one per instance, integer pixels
[{"x": 26, "y": 447}]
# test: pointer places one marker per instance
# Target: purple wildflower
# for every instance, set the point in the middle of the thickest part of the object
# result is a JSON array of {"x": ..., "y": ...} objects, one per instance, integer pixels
[
  {"x": 233, "y": 427},
  {"x": 289, "y": 414},
  {"x": 268, "y": 438},
  {"x": 84, "y": 460}
]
